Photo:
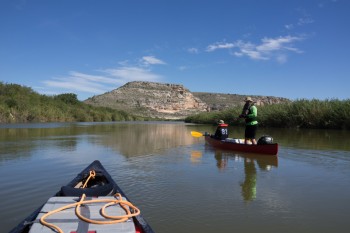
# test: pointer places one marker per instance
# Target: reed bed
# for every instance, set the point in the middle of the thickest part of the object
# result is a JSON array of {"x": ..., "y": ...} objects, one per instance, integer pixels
[{"x": 302, "y": 113}]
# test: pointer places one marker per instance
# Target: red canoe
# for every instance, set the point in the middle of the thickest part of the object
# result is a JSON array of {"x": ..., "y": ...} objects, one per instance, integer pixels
[{"x": 268, "y": 149}]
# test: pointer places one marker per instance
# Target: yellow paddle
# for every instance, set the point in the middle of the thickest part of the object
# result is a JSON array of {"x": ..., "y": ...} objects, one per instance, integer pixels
[{"x": 196, "y": 134}]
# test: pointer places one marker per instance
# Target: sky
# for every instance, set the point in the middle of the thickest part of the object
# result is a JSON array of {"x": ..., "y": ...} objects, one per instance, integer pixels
[{"x": 296, "y": 49}]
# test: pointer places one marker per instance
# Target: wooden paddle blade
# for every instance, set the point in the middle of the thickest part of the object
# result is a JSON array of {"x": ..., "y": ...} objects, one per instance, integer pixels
[{"x": 196, "y": 134}]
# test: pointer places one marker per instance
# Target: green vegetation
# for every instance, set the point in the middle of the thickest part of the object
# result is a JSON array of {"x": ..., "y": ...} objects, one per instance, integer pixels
[
  {"x": 22, "y": 104},
  {"x": 327, "y": 114}
]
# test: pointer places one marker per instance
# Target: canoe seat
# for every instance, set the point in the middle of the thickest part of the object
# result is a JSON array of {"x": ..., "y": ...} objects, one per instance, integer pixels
[{"x": 89, "y": 192}]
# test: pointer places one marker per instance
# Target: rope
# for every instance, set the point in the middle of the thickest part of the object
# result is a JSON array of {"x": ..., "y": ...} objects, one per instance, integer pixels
[
  {"x": 126, "y": 205},
  {"x": 92, "y": 175}
]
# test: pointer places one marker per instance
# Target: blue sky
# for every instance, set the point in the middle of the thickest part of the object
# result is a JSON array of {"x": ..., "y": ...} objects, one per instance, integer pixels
[{"x": 287, "y": 48}]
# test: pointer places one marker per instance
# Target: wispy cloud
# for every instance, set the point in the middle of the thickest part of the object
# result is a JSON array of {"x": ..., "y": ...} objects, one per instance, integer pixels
[
  {"x": 301, "y": 22},
  {"x": 325, "y": 2},
  {"x": 219, "y": 45},
  {"x": 193, "y": 50},
  {"x": 278, "y": 44},
  {"x": 107, "y": 80},
  {"x": 182, "y": 68},
  {"x": 151, "y": 60},
  {"x": 304, "y": 19},
  {"x": 127, "y": 74},
  {"x": 76, "y": 81},
  {"x": 289, "y": 26},
  {"x": 269, "y": 48}
]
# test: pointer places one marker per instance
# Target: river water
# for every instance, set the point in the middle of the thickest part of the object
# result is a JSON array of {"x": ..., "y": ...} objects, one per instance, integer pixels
[{"x": 179, "y": 183}]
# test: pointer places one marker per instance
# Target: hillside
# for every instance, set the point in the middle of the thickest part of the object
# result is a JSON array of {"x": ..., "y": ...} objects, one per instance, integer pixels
[
  {"x": 170, "y": 101},
  {"x": 150, "y": 99}
]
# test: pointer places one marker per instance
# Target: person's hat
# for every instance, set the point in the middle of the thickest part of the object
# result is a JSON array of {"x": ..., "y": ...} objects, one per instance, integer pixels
[
  {"x": 221, "y": 122},
  {"x": 248, "y": 99}
]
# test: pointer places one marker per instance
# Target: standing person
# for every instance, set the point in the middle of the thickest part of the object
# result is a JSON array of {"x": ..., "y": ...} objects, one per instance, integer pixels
[
  {"x": 221, "y": 132},
  {"x": 250, "y": 114}
]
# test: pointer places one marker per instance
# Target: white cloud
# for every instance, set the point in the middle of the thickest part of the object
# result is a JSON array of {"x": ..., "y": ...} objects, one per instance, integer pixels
[
  {"x": 76, "y": 81},
  {"x": 219, "y": 45},
  {"x": 269, "y": 48},
  {"x": 127, "y": 74},
  {"x": 151, "y": 60},
  {"x": 277, "y": 44},
  {"x": 305, "y": 20},
  {"x": 92, "y": 78},
  {"x": 248, "y": 49},
  {"x": 87, "y": 84},
  {"x": 305, "y": 17}
]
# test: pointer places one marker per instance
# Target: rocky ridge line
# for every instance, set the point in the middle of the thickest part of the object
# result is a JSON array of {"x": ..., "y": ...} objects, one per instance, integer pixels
[{"x": 170, "y": 101}]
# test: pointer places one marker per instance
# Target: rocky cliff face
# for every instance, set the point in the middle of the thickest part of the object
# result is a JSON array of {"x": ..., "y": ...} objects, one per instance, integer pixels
[
  {"x": 170, "y": 101},
  {"x": 149, "y": 99},
  {"x": 219, "y": 101}
]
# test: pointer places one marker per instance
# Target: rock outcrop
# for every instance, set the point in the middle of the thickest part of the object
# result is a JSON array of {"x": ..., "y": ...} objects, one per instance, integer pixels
[
  {"x": 150, "y": 99},
  {"x": 170, "y": 101}
]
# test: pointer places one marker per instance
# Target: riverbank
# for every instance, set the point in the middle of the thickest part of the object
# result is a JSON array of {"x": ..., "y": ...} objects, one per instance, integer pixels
[
  {"x": 310, "y": 114},
  {"x": 19, "y": 104}
]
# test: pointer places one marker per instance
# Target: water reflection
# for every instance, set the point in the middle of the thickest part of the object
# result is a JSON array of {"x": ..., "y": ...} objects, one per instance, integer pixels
[
  {"x": 295, "y": 138},
  {"x": 311, "y": 138},
  {"x": 249, "y": 184},
  {"x": 221, "y": 160},
  {"x": 250, "y": 164},
  {"x": 247, "y": 190},
  {"x": 131, "y": 140},
  {"x": 196, "y": 156},
  {"x": 128, "y": 139}
]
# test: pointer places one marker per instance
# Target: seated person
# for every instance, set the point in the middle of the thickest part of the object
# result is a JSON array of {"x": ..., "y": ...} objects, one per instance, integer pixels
[{"x": 221, "y": 132}]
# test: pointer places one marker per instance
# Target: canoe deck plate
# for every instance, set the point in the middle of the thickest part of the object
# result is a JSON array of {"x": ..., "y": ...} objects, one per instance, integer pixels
[{"x": 69, "y": 222}]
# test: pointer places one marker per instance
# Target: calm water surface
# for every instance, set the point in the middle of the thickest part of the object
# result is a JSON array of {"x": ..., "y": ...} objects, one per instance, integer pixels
[{"x": 179, "y": 183}]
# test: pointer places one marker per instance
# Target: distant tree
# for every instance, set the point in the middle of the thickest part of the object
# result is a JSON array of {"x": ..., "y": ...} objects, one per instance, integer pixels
[{"x": 68, "y": 98}]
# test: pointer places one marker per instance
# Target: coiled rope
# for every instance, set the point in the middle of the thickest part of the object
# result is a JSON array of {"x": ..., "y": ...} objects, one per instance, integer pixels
[{"x": 126, "y": 205}]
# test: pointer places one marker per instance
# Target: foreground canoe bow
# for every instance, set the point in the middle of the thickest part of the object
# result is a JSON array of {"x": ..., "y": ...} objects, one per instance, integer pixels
[
  {"x": 99, "y": 188},
  {"x": 268, "y": 149}
]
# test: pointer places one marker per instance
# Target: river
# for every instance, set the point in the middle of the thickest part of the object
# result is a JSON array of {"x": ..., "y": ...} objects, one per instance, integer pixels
[{"x": 179, "y": 183}]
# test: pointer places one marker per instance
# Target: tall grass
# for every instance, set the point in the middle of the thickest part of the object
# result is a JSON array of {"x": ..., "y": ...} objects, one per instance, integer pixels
[
  {"x": 22, "y": 104},
  {"x": 320, "y": 114}
]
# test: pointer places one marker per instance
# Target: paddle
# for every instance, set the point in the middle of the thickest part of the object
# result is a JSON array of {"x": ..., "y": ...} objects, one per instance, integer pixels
[{"x": 196, "y": 134}]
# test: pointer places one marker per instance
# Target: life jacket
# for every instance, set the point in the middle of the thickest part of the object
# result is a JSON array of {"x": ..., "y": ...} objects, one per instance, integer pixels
[
  {"x": 250, "y": 119},
  {"x": 221, "y": 132}
]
